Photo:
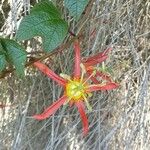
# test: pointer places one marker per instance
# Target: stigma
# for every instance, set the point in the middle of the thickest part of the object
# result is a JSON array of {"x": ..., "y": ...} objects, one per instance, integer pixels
[{"x": 75, "y": 90}]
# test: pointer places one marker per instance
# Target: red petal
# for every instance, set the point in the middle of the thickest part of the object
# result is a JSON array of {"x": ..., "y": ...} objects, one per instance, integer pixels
[
  {"x": 101, "y": 54},
  {"x": 98, "y": 58},
  {"x": 108, "y": 86},
  {"x": 95, "y": 61},
  {"x": 84, "y": 118},
  {"x": 51, "y": 109},
  {"x": 77, "y": 59},
  {"x": 43, "y": 68}
]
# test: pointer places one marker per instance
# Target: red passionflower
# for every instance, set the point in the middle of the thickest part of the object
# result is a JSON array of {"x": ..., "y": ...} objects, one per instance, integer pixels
[{"x": 78, "y": 88}]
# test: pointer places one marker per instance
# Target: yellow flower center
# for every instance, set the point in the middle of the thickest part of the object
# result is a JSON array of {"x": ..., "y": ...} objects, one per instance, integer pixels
[{"x": 75, "y": 90}]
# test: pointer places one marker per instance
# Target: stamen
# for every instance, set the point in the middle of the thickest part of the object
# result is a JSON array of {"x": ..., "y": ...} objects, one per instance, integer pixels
[
  {"x": 65, "y": 76},
  {"x": 93, "y": 74},
  {"x": 87, "y": 103},
  {"x": 90, "y": 94},
  {"x": 98, "y": 85},
  {"x": 67, "y": 101},
  {"x": 103, "y": 66},
  {"x": 83, "y": 71}
]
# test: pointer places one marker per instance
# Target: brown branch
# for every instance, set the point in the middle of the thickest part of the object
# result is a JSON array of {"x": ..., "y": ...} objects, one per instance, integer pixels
[
  {"x": 35, "y": 52},
  {"x": 34, "y": 59}
]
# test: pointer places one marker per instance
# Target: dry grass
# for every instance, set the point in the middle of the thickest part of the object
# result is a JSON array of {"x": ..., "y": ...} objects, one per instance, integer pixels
[{"x": 120, "y": 119}]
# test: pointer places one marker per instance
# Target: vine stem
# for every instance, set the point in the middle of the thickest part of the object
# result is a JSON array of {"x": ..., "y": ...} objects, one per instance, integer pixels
[{"x": 43, "y": 57}]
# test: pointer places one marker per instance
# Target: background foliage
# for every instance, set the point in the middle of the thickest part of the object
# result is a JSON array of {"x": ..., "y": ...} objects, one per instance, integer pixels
[{"x": 120, "y": 118}]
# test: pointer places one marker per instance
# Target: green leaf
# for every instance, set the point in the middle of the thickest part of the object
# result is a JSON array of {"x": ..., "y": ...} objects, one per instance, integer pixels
[
  {"x": 14, "y": 54},
  {"x": 2, "y": 62},
  {"x": 2, "y": 58},
  {"x": 76, "y": 7},
  {"x": 44, "y": 21}
]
